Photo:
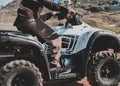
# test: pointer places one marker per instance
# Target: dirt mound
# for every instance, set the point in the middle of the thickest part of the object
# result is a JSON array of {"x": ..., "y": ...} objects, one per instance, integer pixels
[{"x": 103, "y": 19}]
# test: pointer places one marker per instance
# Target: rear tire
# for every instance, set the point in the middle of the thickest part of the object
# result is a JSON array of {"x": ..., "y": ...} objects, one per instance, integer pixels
[
  {"x": 20, "y": 73},
  {"x": 103, "y": 69}
]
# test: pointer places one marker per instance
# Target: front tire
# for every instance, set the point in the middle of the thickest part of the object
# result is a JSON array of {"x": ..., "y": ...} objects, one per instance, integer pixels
[
  {"x": 20, "y": 73},
  {"x": 103, "y": 69}
]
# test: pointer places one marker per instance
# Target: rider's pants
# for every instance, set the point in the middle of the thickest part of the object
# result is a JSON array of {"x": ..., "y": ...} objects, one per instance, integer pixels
[{"x": 44, "y": 32}]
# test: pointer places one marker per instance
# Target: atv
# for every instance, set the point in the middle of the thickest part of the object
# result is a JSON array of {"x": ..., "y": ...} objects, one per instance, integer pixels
[{"x": 87, "y": 51}]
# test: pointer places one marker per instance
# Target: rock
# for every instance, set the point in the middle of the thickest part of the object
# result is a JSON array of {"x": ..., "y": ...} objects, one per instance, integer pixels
[{"x": 96, "y": 8}]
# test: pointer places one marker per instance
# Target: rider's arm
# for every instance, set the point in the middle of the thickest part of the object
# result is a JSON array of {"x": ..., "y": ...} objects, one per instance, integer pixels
[
  {"x": 46, "y": 16},
  {"x": 52, "y": 6}
]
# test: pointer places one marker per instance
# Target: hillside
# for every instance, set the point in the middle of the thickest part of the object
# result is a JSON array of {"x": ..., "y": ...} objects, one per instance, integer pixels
[
  {"x": 104, "y": 20},
  {"x": 107, "y": 20}
]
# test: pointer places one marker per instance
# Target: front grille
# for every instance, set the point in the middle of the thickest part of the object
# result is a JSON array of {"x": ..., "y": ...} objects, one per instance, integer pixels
[{"x": 68, "y": 42}]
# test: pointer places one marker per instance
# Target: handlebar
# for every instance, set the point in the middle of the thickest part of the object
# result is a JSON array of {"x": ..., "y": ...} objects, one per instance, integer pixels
[{"x": 73, "y": 19}]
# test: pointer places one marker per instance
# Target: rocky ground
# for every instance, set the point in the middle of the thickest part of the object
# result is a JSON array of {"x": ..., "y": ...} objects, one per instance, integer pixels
[
  {"x": 104, "y": 21},
  {"x": 82, "y": 82}
]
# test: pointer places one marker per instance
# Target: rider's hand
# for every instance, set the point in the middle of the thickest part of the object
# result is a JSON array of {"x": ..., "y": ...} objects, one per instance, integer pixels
[{"x": 71, "y": 12}]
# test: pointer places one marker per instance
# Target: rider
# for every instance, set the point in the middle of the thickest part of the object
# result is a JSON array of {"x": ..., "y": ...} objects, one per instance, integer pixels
[{"x": 29, "y": 20}]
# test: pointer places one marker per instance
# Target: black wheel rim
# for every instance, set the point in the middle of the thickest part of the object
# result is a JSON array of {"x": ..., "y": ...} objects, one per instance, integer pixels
[
  {"x": 23, "y": 79},
  {"x": 109, "y": 70}
]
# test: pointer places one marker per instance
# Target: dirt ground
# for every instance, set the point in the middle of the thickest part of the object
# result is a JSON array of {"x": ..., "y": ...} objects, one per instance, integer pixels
[{"x": 82, "y": 82}]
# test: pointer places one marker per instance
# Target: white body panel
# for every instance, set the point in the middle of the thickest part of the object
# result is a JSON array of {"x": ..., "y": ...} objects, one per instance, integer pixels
[{"x": 80, "y": 34}]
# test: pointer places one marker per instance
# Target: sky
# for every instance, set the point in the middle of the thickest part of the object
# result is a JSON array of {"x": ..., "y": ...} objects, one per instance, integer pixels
[
  {"x": 56, "y": 1},
  {"x": 4, "y": 2}
]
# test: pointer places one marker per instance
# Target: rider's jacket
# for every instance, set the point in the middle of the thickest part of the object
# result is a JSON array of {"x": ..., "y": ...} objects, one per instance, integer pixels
[{"x": 31, "y": 9}]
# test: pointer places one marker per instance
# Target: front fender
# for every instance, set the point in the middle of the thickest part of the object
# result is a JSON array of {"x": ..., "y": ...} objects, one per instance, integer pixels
[
  {"x": 91, "y": 41},
  {"x": 25, "y": 40}
]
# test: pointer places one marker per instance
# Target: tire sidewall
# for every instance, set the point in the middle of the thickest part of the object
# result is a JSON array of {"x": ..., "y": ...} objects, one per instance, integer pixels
[
  {"x": 98, "y": 68},
  {"x": 97, "y": 65},
  {"x": 30, "y": 73}
]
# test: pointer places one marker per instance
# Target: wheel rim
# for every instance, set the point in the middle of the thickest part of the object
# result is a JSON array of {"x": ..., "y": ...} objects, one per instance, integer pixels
[
  {"x": 109, "y": 71},
  {"x": 23, "y": 79}
]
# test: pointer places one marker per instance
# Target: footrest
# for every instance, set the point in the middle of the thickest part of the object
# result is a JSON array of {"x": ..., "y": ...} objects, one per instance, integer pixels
[
  {"x": 61, "y": 70},
  {"x": 62, "y": 73}
]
